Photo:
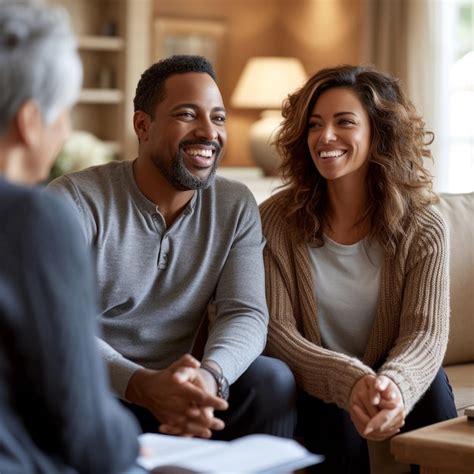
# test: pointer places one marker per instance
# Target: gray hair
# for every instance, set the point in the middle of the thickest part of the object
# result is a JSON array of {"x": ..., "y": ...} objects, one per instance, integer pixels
[{"x": 38, "y": 60}]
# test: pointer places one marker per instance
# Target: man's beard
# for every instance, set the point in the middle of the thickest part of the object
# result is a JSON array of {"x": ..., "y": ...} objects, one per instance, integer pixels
[{"x": 180, "y": 177}]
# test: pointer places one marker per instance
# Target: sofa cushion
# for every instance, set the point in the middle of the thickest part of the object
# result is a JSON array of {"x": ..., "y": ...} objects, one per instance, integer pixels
[
  {"x": 461, "y": 378},
  {"x": 458, "y": 213}
]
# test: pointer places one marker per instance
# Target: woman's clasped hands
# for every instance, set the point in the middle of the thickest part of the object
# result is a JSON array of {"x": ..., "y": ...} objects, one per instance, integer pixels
[{"x": 376, "y": 407}]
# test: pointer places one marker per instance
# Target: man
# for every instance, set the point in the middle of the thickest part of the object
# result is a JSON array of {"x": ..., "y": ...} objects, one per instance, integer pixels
[
  {"x": 56, "y": 413},
  {"x": 170, "y": 237}
]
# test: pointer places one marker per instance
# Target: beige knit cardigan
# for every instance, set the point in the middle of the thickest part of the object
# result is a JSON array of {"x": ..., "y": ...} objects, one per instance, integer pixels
[{"x": 410, "y": 331}]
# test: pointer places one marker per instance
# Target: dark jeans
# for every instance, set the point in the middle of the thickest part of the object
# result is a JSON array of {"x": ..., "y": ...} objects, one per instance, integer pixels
[
  {"x": 328, "y": 429},
  {"x": 262, "y": 400}
]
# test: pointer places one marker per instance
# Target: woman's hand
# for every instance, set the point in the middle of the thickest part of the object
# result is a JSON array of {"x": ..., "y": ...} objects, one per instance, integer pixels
[
  {"x": 361, "y": 406},
  {"x": 376, "y": 407}
]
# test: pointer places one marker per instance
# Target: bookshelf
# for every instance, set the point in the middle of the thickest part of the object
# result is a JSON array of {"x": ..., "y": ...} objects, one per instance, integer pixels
[{"x": 114, "y": 38}]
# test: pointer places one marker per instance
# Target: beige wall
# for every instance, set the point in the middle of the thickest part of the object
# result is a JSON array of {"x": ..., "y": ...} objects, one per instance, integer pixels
[{"x": 320, "y": 32}]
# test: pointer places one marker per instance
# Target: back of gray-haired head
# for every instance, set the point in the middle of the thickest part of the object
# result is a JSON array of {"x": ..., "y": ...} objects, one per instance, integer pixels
[{"x": 38, "y": 60}]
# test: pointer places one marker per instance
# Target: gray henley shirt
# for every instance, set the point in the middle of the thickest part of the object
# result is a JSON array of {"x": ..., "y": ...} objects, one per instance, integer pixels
[{"x": 155, "y": 282}]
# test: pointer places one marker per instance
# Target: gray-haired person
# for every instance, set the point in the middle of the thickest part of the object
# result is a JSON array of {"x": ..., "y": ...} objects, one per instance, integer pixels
[{"x": 56, "y": 414}]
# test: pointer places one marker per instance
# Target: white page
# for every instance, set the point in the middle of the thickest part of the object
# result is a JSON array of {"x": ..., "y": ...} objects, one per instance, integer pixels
[
  {"x": 253, "y": 453},
  {"x": 159, "y": 449}
]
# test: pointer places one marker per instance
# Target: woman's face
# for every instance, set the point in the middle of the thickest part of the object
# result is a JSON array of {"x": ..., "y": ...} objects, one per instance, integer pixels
[{"x": 339, "y": 135}]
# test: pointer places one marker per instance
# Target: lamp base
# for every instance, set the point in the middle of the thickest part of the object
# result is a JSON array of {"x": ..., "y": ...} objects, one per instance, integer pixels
[{"x": 262, "y": 133}]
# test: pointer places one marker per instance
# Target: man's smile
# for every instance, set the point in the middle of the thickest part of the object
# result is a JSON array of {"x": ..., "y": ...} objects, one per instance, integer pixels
[{"x": 200, "y": 155}]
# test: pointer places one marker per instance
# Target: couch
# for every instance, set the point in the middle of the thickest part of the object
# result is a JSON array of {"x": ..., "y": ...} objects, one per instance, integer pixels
[{"x": 458, "y": 213}]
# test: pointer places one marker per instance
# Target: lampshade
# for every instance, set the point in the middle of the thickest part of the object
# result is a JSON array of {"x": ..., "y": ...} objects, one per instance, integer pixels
[
  {"x": 266, "y": 81},
  {"x": 264, "y": 84}
]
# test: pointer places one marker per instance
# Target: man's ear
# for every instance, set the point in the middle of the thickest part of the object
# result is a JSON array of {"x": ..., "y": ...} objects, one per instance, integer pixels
[
  {"x": 29, "y": 123},
  {"x": 141, "y": 124}
]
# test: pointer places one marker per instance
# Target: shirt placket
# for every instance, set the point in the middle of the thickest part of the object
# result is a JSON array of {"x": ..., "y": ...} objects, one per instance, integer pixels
[{"x": 163, "y": 240}]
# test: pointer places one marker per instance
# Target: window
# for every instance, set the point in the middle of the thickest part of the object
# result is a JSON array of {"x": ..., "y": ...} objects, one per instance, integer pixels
[{"x": 458, "y": 30}]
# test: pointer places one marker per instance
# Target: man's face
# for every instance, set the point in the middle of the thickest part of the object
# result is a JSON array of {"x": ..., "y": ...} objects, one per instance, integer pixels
[{"x": 186, "y": 137}]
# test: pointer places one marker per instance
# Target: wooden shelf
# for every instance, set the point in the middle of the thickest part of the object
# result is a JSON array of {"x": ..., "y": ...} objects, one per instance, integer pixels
[
  {"x": 101, "y": 96},
  {"x": 114, "y": 40},
  {"x": 101, "y": 43}
]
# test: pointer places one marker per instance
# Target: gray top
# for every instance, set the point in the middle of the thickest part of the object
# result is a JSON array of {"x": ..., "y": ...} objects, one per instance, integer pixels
[{"x": 155, "y": 283}]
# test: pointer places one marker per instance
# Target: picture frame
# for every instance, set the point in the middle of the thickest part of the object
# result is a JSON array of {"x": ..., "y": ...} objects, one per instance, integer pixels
[{"x": 190, "y": 36}]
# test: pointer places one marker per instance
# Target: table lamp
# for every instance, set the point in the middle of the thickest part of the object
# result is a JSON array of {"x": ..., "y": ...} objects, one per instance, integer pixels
[{"x": 264, "y": 83}]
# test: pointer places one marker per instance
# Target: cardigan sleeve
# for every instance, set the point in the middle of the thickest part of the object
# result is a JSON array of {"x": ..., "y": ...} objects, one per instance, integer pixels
[
  {"x": 293, "y": 334},
  {"x": 417, "y": 355}
]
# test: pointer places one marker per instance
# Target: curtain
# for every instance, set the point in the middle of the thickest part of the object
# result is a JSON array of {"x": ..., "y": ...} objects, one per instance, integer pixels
[{"x": 405, "y": 40}]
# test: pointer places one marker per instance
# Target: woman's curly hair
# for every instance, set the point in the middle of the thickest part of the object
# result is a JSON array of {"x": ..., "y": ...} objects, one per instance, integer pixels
[{"x": 397, "y": 181}]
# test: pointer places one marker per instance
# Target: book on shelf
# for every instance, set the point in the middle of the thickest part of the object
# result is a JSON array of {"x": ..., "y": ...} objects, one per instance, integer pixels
[{"x": 258, "y": 453}]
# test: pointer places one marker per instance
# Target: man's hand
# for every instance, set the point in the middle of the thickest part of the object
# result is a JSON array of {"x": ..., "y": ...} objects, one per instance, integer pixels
[
  {"x": 376, "y": 407},
  {"x": 204, "y": 416},
  {"x": 177, "y": 398}
]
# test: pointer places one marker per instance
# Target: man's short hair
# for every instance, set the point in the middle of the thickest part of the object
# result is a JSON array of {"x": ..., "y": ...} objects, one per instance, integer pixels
[
  {"x": 151, "y": 86},
  {"x": 38, "y": 60}
]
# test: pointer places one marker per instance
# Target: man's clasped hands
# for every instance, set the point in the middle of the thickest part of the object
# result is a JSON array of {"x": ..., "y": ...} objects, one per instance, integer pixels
[{"x": 182, "y": 397}]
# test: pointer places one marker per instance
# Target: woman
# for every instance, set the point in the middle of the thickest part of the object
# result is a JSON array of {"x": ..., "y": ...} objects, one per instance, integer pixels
[
  {"x": 56, "y": 412},
  {"x": 357, "y": 266}
]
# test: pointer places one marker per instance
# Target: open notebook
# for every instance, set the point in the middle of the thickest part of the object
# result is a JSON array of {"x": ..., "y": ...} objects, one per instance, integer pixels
[{"x": 249, "y": 454}]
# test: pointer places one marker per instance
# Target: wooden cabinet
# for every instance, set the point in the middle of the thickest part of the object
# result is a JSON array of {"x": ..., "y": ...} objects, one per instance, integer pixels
[{"x": 114, "y": 39}]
